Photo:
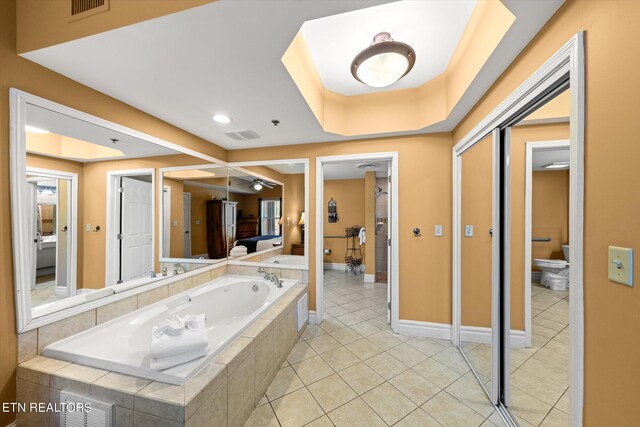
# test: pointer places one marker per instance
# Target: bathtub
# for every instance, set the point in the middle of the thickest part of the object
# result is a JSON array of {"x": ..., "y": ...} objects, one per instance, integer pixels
[
  {"x": 286, "y": 260},
  {"x": 230, "y": 303}
]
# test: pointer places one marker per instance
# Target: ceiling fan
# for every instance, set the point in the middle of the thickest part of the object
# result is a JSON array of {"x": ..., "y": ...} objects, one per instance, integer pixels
[{"x": 258, "y": 183}]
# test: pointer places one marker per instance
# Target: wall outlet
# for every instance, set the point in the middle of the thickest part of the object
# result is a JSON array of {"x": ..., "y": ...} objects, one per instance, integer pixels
[
  {"x": 175, "y": 222},
  {"x": 88, "y": 227},
  {"x": 197, "y": 222},
  {"x": 468, "y": 231},
  {"x": 621, "y": 265},
  {"x": 438, "y": 231}
]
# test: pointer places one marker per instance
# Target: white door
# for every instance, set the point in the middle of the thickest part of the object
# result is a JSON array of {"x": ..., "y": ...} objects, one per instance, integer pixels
[
  {"x": 137, "y": 218},
  {"x": 186, "y": 223},
  {"x": 166, "y": 222},
  {"x": 33, "y": 231}
]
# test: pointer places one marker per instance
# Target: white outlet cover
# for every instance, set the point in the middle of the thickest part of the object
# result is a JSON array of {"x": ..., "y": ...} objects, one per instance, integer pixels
[
  {"x": 468, "y": 231},
  {"x": 620, "y": 265},
  {"x": 438, "y": 231}
]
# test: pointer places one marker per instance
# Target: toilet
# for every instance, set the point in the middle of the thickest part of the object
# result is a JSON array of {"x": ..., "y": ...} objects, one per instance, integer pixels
[{"x": 555, "y": 272}]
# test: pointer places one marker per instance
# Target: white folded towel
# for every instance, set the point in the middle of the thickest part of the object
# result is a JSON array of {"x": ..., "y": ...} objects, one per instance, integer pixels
[
  {"x": 161, "y": 363},
  {"x": 193, "y": 337},
  {"x": 362, "y": 236}
]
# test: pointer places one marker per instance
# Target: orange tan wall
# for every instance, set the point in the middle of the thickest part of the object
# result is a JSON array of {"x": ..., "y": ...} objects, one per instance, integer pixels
[
  {"x": 520, "y": 135},
  {"x": 349, "y": 197},
  {"x": 293, "y": 200},
  {"x": 249, "y": 202},
  {"x": 199, "y": 197},
  {"x": 475, "y": 263},
  {"x": 550, "y": 215},
  {"x": 176, "y": 215},
  {"x": 25, "y": 75},
  {"x": 424, "y": 200},
  {"x": 610, "y": 211},
  {"x": 46, "y": 23}
]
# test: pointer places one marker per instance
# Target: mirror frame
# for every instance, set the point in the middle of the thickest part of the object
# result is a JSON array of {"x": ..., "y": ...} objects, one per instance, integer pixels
[
  {"x": 242, "y": 167},
  {"x": 18, "y": 101}
]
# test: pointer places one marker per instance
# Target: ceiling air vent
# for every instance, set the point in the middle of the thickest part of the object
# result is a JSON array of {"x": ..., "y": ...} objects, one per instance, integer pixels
[
  {"x": 242, "y": 135},
  {"x": 85, "y": 8}
]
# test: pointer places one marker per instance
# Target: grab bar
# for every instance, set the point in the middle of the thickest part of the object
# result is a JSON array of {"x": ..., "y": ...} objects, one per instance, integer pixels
[{"x": 541, "y": 239}]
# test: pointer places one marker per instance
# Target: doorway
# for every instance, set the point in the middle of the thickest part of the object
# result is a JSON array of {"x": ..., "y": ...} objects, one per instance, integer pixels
[
  {"x": 351, "y": 215},
  {"x": 130, "y": 224}
]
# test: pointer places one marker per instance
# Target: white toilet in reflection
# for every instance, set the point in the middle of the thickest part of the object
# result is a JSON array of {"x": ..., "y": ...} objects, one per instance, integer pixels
[{"x": 555, "y": 272}]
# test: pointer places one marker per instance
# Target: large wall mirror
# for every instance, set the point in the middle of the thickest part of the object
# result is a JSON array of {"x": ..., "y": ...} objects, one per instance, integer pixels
[
  {"x": 86, "y": 207},
  {"x": 267, "y": 214}
]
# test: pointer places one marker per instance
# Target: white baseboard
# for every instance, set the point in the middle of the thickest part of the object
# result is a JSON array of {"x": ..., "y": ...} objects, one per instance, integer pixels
[
  {"x": 312, "y": 317},
  {"x": 337, "y": 266},
  {"x": 483, "y": 335},
  {"x": 369, "y": 278},
  {"x": 416, "y": 328}
]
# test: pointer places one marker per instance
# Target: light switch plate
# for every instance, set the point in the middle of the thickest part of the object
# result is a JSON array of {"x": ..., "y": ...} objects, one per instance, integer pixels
[
  {"x": 175, "y": 222},
  {"x": 438, "y": 231},
  {"x": 621, "y": 265},
  {"x": 197, "y": 222},
  {"x": 88, "y": 227},
  {"x": 468, "y": 231}
]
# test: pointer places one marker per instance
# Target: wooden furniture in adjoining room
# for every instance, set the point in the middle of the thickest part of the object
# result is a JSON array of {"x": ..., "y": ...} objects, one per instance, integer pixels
[
  {"x": 247, "y": 227},
  {"x": 220, "y": 216},
  {"x": 297, "y": 249}
]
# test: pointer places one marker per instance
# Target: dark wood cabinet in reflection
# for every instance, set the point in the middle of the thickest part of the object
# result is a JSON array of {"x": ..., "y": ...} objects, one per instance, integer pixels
[{"x": 216, "y": 240}]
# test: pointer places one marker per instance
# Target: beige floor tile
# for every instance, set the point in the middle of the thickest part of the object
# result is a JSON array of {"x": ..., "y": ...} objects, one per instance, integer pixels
[
  {"x": 407, "y": 354},
  {"x": 531, "y": 384},
  {"x": 361, "y": 378},
  {"x": 389, "y": 403},
  {"x": 323, "y": 343},
  {"x": 436, "y": 372},
  {"x": 263, "y": 401},
  {"x": 528, "y": 407},
  {"x": 563, "y": 403},
  {"x": 418, "y": 418},
  {"x": 365, "y": 328},
  {"x": 297, "y": 409},
  {"x": 285, "y": 382},
  {"x": 556, "y": 418},
  {"x": 426, "y": 345},
  {"x": 356, "y": 414},
  {"x": 300, "y": 352},
  {"x": 471, "y": 394},
  {"x": 345, "y": 335},
  {"x": 312, "y": 331},
  {"x": 363, "y": 349},
  {"x": 415, "y": 386},
  {"x": 546, "y": 371},
  {"x": 332, "y": 392},
  {"x": 449, "y": 411},
  {"x": 312, "y": 369},
  {"x": 331, "y": 324},
  {"x": 350, "y": 319},
  {"x": 262, "y": 416},
  {"x": 323, "y": 421},
  {"x": 339, "y": 358},
  {"x": 386, "y": 365},
  {"x": 385, "y": 340},
  {"x": 452, "y": 359}
]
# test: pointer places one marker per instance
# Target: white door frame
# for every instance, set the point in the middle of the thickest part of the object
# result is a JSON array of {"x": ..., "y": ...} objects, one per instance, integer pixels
[
  {"x": 186, "y": 224},
  {"x": 72, "y": 261},
  {"x": 111, "y": 260},
  {"x": 530, "y": 147},
  {"x": 568, "y": 61},
  {"x": 165, "y": 221},
  {"x": 393, "y": 230}
]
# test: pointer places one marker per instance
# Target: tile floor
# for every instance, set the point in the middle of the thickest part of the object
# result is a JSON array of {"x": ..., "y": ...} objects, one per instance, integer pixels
[
  {"x": 44, "y": 290},
  {"x": 540, "y": 374},
  {"x": 353, "y": 371}
]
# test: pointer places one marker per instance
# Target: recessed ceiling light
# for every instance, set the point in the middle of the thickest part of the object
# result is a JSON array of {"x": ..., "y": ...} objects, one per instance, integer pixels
[
  {"x": 33, "y": 129},
  {"x": 557, "y": 165},
  {"x": 384, "y": 62},
  {"x": 222, "y": 119}
]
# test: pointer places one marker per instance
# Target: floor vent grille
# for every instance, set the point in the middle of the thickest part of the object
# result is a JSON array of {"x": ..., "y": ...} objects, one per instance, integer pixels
[{"x": 99, "y": 415}]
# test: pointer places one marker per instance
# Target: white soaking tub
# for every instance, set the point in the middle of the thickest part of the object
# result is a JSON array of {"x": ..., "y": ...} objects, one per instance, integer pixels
[
  {"x": 230, "y": 304},
  {"x": 286, "y": 260}
]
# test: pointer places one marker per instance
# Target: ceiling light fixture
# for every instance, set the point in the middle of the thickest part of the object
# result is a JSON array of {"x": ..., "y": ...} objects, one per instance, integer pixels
[
  {"x": 222, "y": 119},
  {"x": 557, "y": 165},
  {"x": 367, "y": 166},
  {"x": 257, "y": 185},
  {"x": 33, "y": 129},
  {"x": 384, "y": 62}
]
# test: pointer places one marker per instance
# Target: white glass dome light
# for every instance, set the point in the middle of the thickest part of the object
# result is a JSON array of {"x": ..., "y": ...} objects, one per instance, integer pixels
[
  {"x": 222, "y": 119},
  {"x": 384, "y": 62}
]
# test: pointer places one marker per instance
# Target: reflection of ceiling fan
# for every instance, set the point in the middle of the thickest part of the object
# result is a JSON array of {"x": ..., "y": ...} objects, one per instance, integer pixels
[{"x": 258, "y": 183}]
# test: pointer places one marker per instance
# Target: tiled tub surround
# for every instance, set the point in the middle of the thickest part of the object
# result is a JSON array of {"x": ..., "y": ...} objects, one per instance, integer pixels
[
  {"x": 229, "y": 303},
  {"x": 223, "y": 393},
  {"x": 259, "y": 256}
]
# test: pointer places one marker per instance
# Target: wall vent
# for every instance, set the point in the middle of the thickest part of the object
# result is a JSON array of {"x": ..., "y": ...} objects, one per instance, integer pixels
[
  {"x": 100, "y": 415},
  {"x": 85, "y": 8},
  {"x": 242, "y": 135}
]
